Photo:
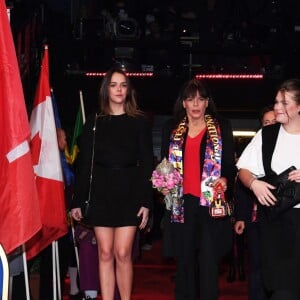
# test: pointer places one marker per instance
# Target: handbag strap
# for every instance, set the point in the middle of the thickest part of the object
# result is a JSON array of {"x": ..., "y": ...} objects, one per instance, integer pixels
[{"x": 87, "y": 202}]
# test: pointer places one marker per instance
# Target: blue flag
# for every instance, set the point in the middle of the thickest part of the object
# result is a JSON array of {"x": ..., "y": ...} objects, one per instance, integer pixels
[{"x": 68, "y": 173}]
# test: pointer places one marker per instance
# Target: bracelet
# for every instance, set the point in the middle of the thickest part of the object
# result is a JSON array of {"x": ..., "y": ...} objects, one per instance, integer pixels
[{"x": 251, "y": 182}]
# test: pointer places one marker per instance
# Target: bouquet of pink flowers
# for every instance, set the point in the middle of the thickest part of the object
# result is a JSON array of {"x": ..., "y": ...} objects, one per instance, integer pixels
[{"x": 166, "y": 176}]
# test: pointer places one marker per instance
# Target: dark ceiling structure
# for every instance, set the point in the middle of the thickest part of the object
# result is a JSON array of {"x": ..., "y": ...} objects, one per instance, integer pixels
[{"x": 174, "y": 40}]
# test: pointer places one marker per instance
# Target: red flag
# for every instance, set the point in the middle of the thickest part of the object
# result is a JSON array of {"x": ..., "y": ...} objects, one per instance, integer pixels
[
  {"x": 47, "y": 166},
  {"x": 19, "y": 212}
]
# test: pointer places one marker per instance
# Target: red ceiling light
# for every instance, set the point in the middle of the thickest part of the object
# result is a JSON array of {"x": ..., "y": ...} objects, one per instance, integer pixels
[
  {"x": 129, "y": 74},
  {"x": 230, "y": 76},
  {"x": 94, "y": 74}
]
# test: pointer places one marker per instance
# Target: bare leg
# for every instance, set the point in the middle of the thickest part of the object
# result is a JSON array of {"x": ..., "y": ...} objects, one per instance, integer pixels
[
  {"x": 105, "y": 240},
  {"x": 124, "y": 237}
]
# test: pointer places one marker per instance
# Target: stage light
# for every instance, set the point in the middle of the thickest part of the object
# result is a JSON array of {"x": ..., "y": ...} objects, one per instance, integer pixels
[
  {"x": 127, "y": 28},
  {"x": 230, "y": 76},
  {"x": 129, "y": 74},
  {"x": 243, "y": 133}
]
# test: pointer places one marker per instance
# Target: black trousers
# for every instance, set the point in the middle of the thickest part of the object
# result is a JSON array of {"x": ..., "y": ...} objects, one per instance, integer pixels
[
  {"x": 280, "y": 241},
  {"x": 204, "y": 242},
  {"x": 256, "y": 287}
]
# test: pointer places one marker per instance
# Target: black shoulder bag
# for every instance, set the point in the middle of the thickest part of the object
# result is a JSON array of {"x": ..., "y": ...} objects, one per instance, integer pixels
[{"x": 287, "y": 192}]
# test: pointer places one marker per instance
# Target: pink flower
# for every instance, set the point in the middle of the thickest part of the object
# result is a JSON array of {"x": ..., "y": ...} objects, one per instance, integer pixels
[
  {"x": 157, "y": 182},
  {"x": 169, "y": 181},
  {"x": 170, "y": 184}
]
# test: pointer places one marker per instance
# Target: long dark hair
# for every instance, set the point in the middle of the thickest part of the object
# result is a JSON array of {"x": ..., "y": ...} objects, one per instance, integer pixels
[
  {"x": 190, "y": 89},
  {"x": 131, "y": 107}
]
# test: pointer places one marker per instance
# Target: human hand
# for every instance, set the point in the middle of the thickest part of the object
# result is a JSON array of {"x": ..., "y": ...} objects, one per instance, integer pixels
[
  {"x": 76, "y": 214},
  {"x": 144, "y": 214},
  {"x": 262, "y": 191},
  {"x": 222, "y": 181},
  {"x": 294, "y": 175},
  {"x": 239, "y": 227}
]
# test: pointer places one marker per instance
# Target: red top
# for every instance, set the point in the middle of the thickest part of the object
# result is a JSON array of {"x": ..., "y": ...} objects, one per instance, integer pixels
[{"x": 191, "y": 166}]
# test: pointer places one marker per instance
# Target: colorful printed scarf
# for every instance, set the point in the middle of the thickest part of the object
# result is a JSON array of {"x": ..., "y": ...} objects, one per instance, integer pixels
[
  {"x": 175, "y": 157},
  {"x": 211, "y": 167}
]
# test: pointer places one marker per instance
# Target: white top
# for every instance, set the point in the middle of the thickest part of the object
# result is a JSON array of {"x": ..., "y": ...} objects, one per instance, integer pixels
[{"x": 286, "y": 154}]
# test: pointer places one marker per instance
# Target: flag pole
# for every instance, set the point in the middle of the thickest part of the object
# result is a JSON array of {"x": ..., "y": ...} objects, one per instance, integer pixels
[
  {"x": 54, "y": 273},
  {"x": 74, "y": 241},
  {"x": 11, "y": 280},
  {"x": 25, "y": 272},
  {"x": 82, "y": 106},
  {"x": 71, "y": 219},
  {"x": 57, "y": 269}
]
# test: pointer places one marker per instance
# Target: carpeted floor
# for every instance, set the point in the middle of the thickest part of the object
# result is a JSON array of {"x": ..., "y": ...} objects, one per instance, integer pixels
[{"x": 153, "y": 278}]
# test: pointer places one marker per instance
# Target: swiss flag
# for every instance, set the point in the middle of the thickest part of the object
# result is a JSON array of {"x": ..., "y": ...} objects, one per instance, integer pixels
[
  {"x": 47, "y": 166},
  {"x": 19, "y": 209}
]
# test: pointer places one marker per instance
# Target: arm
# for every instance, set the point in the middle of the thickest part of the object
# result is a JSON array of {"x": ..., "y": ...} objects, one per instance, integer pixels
[
  {"x": 228, "y": 170},
  {"x": 251, "y": 168},
  {"x": 294, "y": 175},
  {"x": 260, "y": 188},
  {"x": 146, "y": 166},
  {"x": 243, "y": 206},
  {"x": 243, "y": 202},
  {"x": 239, "y": 227}
]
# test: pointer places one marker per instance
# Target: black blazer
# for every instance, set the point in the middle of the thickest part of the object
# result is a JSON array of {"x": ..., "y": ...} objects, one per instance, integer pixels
[{"x": 244, "y": 200}]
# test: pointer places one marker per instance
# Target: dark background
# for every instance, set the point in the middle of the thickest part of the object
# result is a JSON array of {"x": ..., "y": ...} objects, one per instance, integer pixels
[{"x": 177, "y": 39}]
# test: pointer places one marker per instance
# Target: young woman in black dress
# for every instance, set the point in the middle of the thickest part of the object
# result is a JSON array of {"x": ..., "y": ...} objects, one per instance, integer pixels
[{"x": 116, "y": 145}]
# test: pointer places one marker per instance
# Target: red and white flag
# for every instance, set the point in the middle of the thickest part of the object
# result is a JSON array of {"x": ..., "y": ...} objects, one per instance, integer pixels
[
  {"x": 19, "y": 209},
  {"x": 47, "y": 166}
]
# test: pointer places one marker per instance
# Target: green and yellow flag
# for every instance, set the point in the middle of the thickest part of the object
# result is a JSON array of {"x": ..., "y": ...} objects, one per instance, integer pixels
[{"x": 71, "y": 156}]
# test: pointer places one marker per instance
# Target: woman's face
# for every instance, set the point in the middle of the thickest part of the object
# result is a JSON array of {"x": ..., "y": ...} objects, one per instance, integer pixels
[
  {"x": 269, "y": 118},
  {"x": 285, "y": 107},
  {"x": 195, "y": 107},
  {"x": 117, "y": 89}
]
